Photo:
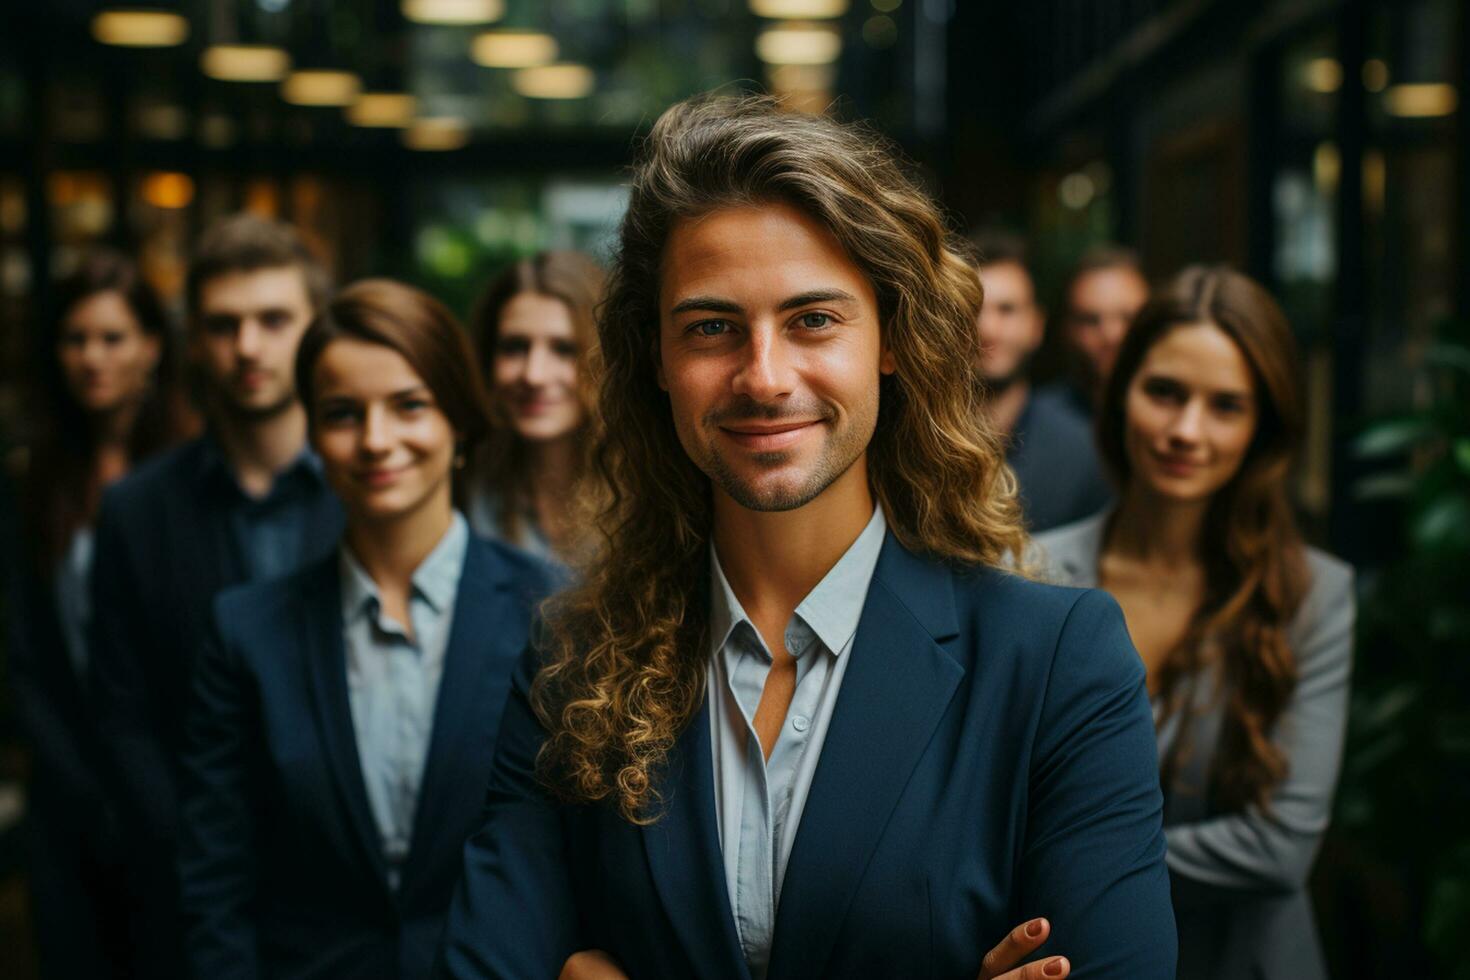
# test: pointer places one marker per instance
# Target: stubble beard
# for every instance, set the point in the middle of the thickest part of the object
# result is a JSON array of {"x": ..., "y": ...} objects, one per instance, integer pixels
[{"x": 840, "y": 449}]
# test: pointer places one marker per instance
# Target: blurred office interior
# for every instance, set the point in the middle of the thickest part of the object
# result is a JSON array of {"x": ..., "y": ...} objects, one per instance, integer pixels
[{"x": 1323, "y": 146}]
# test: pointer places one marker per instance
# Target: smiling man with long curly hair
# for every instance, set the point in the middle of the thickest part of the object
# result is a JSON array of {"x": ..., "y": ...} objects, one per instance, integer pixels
[{"x": 797, "y": 719}]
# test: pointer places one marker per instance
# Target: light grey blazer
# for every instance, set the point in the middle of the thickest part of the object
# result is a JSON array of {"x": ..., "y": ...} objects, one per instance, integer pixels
[{"x": 1239, "y": 878}]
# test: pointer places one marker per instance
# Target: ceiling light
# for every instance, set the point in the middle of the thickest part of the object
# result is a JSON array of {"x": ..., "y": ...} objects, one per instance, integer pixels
[
  {"x": 453, "y": 11},
  {"x": 388, "y": 110},
  {"x": 513, "y": 49},
  {"x": 1322, "y": 75},
  {"x": 798, "y": 44},
  {"x": 140, "y": 28},
  {"x": 168, "y": 191},
  {"x": 443, "y": 133},
  {"x": 798, "y": 8},
  {"x": 563, "y": 81},
  {"x": 321, "y": 87},
  {"x": 245, "y": 62},
  {"x": 1421, "y": 101}
]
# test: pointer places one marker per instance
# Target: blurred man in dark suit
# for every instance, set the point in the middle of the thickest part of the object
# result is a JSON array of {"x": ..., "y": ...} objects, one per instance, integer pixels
[
  {"x": 1049, "y": 442},
  {"x": 245, "y": 501}
]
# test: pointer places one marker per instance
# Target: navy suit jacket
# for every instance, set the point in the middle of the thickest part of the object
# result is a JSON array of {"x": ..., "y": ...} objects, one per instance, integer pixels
[
  {"x": 165, "y": 548},
  {"x": 280, "y": 860},
  {"x": 990, "y": 758}
]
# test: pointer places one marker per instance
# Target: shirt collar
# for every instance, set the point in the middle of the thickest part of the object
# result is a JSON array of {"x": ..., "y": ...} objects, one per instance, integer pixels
[
  {"x": 214, "y": 465},
  {"x": 831, "y": 610},
  {"x": 436, "y": 580}
]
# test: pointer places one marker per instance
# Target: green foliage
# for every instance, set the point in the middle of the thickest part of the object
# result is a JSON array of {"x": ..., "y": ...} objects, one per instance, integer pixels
[{"x": 1406, "y": 782}]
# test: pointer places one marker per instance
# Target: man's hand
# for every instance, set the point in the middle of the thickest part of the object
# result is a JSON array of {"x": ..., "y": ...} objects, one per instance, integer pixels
[
  {"x": 591, "y": 964},
  {"x": 1023, "y": 940}
]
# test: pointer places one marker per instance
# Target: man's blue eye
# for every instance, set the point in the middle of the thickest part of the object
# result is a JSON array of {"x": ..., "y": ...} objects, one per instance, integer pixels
[
  {"x": 815, "y": 321},
  {"x": 709, "y": 328}
]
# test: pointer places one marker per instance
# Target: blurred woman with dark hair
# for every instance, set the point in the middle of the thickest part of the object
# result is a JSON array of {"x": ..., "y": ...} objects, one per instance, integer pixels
[
  {"x": 107, "y": 397},
  {"x": 339, "y": 737},
  {"x": 535, "y": 331},
  {"x": 1246, "y": 632}
]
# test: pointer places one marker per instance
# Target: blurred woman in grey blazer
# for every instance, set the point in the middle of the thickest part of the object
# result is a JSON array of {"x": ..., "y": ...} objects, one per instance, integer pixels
[{"x": 1246, "y": 632}]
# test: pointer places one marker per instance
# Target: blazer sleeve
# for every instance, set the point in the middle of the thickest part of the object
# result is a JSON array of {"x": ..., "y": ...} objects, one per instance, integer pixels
[
  {"x": 217, "y": 832},
  {"x": 122, "y": 686},
  {"x": 53, "y": 737},
  {"x": 1239, "y": 855},
  {"x": 514, "y": 912},
  {"x": 1093, "y": 849}
]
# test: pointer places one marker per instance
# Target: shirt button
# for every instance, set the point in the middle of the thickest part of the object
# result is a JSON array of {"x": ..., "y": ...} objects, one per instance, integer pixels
[{"x": 800, "y": 723}]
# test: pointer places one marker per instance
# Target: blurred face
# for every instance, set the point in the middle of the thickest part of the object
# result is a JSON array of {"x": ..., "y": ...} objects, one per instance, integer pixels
[
  {"x": 771, "y": 353},
  {"x": 249, "y": 325},
  {"x": 1190, "y": 413},
  {"x": 107, "y": 358},
  {"x": 385, "y": 445},
  {"x": 533, "y": 371},
  {"x": 1101, "y": 306},
  {"x": 1010, "y": 322}
]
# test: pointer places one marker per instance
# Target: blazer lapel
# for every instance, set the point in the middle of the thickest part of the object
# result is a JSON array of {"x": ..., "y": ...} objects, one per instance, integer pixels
[
  {"x": 896, "y": 689},
  {"x": 683, "y": 848},
  {"x": 327, "y": 656},
  {"x": 484, "y": 642}
]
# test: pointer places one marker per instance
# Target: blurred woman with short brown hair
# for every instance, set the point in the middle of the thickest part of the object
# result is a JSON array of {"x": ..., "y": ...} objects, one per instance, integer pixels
[{"x": 341, "y": 721}]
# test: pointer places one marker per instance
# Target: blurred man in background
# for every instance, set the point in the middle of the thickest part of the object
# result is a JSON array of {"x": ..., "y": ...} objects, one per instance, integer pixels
[
  {"x": 1106, "y": 289},
  {"x": 245, "y": 501},
  {"x": 1048, "y": 441}
]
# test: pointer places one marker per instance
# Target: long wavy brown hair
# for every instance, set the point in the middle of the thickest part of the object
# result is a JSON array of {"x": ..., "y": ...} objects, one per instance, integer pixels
[
  {"x": 62, "y": 490},
  {"x": 1255, "y": 568},
  {"x": 626, "y": 651},
  {"x": 501, "y": 467}
]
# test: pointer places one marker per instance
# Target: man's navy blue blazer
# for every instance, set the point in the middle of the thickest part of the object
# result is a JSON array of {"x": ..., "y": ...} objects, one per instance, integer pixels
[
  {"x": 165, "y": 549},
  {"x": 280, "y": 859},
  {"x": 990, "y": 758}
]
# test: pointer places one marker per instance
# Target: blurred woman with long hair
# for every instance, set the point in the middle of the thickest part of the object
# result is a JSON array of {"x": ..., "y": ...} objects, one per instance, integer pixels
[
  {"x": 107, "y": 398},
  {"x": 1245, "y": 631},
  {"x": 534, "y": 329}
]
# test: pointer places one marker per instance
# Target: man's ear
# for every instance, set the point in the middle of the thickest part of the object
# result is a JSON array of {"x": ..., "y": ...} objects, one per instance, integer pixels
[{"x": 886, "y": 362}]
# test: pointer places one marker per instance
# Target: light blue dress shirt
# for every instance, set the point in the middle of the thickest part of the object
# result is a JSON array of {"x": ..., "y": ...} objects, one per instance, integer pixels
[
  {"x": 483, "y": 511},
  {"x": 759, "y": 802},
  {"x": 74, "y": 596},
  {"x": 393, "y": 682}
]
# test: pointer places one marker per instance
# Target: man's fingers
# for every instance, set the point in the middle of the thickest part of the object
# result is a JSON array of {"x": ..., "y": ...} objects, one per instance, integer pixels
[{"x": 1020, "y": 943}]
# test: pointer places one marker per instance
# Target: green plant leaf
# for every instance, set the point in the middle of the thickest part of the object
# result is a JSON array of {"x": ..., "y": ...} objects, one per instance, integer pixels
[
  {"x": 1447, "y": 911},
  {"x": 1462, "y": 454},
  {"x": 1392, "y": 436},
  {"x": 1384, "y": 486},
  {"x": 1445, "y": 523}
]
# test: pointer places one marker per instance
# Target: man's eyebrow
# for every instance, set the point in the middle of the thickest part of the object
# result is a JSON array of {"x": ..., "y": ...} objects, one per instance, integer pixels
[
  {"x": 708, "y": 304},
  {"x": 816, "y": 296},
  {"x": 714, "y": 304}
]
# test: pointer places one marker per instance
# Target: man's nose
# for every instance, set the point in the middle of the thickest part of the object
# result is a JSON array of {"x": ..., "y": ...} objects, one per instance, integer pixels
[
  {"x": 765, "y": 366},
  {"x": 247, "y": 338}
]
